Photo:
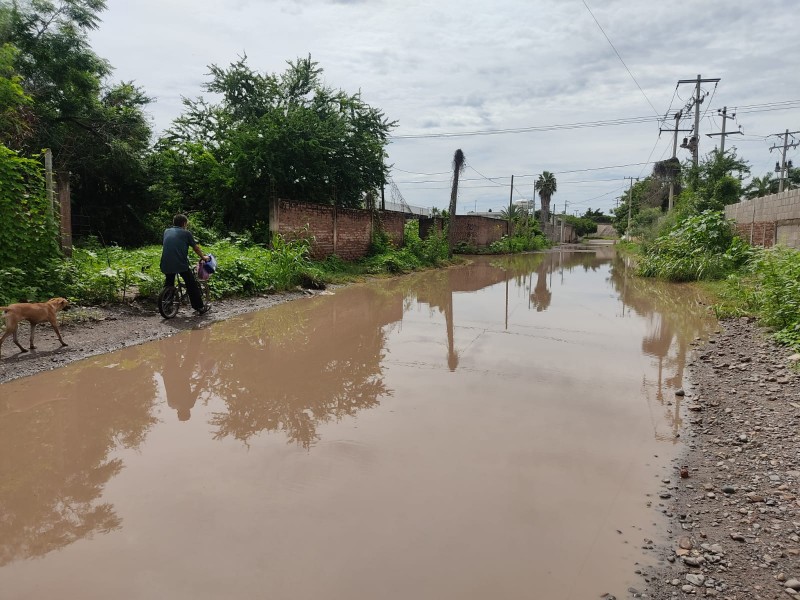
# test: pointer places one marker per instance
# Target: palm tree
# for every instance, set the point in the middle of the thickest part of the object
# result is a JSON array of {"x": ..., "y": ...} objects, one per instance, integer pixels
[
  {"x": 761, "y": 186},
  {"x": 546, "y": 186},
  {"x": 512, "y": 213}
]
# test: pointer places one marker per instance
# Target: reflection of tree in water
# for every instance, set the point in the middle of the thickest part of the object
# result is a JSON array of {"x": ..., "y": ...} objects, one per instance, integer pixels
[
  {"x": 676, "y": 316},
  {"x": 550, "y": 262},
  {"x": 54, "y": 454},
  {"x": 325, "y": 366}
]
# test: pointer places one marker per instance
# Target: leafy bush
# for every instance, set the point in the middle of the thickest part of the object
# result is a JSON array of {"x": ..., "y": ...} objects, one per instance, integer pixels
[
  {"x": 28, "y": 234},
  {"x": 431, "y": 251},
  {"x": 517, "y": 243},
  {"x": 699, "y": 247},
  {"x": 777, "y": 293}
]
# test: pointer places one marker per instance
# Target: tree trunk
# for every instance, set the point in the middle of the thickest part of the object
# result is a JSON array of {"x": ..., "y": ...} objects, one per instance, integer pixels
[
  {"x": 65, "y": 202},
  {"x": 458, "y": 166},
  {"x": 545, "y": 213}
]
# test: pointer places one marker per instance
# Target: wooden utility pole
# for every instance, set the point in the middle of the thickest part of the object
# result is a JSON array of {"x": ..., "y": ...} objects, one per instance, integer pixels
[
  {"x": 630, "y": 204},
  {"x": 782, "y": 167},
  {"x": 725, "y": 116},
  {"x": 694, "y": 143},
  {"x": 50, "y": 188},
  {"x": 510, "y": 231}
]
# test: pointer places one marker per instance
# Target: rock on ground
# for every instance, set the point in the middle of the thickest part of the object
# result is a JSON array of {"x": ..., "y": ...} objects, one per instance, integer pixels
[{"x": 740, "y": 505}]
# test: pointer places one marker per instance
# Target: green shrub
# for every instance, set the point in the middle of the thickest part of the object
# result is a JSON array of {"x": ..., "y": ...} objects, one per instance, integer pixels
[
  {"x": 28, "y": 234},
  {"x": 777, "y": 292},
  {"x": 699, "y": 247}
]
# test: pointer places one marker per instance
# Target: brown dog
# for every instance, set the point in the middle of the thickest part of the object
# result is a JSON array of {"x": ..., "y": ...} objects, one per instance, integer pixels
[{"x": 34, "y": 313}]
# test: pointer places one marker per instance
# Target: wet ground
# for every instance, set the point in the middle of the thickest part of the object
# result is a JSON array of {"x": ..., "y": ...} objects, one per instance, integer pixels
[{"x": 495, "y": 430}]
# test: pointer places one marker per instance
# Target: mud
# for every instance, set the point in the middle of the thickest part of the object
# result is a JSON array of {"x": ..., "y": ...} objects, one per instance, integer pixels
[
  {"x": 735, "y": 513},
  {"x": 90, "y": 331}
]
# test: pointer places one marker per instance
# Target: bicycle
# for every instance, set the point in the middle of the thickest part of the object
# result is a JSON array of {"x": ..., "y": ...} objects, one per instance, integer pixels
[{"x": 172, "y": 296}]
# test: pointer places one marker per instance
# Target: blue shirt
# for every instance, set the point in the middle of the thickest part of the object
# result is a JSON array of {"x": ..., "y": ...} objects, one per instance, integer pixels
[{"x": 174, "y": 253}]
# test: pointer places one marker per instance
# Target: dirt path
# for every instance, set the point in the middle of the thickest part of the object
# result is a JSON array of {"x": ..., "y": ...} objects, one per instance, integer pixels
[
  {"x": 735, "y": 520},
  {"x": 96, "y": 330}
]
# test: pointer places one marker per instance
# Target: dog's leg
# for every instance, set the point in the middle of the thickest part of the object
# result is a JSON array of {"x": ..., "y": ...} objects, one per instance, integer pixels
[
  {"x": 3, "y": 339},
  {"x": 16, "y": 341},
  {"x": 54, "y": 323},
  {"x": 33, "y": 327}
]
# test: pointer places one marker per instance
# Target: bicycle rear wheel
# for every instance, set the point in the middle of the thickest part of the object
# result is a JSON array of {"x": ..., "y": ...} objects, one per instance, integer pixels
[{"x": 168, "y": 302}]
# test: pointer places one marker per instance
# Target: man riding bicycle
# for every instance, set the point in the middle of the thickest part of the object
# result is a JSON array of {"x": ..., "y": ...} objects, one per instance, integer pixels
[{"x": 175, "y": 261}]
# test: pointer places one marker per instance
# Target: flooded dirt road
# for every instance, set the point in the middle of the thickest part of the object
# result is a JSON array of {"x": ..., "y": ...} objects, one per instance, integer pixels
[{"x": 491, "y": 431}]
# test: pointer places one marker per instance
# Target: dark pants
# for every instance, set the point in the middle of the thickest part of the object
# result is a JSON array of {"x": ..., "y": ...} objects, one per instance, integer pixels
[{"x": 195, "y": 295}]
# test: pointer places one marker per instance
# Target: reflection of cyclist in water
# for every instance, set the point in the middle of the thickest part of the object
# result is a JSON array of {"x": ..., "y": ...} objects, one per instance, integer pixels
[{"x": 182, "y": 373}]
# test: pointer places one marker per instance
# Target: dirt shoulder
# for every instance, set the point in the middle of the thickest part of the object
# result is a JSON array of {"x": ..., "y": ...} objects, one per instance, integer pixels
[
  {"x": 735, "y": 520},
  {"x": 89, "y": 331}
]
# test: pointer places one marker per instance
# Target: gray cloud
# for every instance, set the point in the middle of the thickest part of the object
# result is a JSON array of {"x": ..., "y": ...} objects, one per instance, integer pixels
[{"x": 467, "y": 65}]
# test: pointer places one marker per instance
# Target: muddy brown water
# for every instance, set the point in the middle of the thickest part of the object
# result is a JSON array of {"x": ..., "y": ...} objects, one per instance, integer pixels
[{"x": 490, "y": 431}]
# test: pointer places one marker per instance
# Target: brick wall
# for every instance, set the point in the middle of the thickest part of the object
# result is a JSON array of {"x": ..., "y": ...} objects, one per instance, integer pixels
[
  {"x": 427, "y": 225},
  {"x": 758, "y": 234},
  {"x": 346, "y": 232},
  {"x": 393, "y": 223},
  {"x": 769, "y": 220},
  {"x": 479, "y": 231}
]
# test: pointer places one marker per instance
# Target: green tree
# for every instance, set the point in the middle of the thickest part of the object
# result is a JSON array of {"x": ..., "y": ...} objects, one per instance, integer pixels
[
  {"x": 98, "y": 132},
  {"x": 582, "y": 225},
  {"x": 761, "y": 186},
  {"x": 287, "y": 135},
  {"x": 546, "y": 185},
  {"x": 597, "y": 216},
  {"x": 711, "y": 185},
  {"x": 14, "y": 102}
]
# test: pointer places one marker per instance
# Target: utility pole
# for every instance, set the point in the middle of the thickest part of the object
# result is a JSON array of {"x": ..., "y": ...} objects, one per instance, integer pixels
[
  {"x": 782, "y": 167},
  {"x": 630, "y": 203},
  {"x": 725, "y": 116},
  {"x": 694, "y": 143},
  {"x": 675, "y": 131},
  {"x": 510, "y": 202},
  {"x": 561, "y": 237}
]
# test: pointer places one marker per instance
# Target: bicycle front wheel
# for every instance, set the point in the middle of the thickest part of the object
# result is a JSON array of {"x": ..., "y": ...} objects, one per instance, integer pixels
[{"x": 168, "y": 302}]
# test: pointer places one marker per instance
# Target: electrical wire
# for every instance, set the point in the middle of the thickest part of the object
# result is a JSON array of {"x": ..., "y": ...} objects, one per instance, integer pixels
[
  {"x": 485, "y": 177},
  {"x": 752, "y": 108},
  {"x": 620, "y": 57},
  {"x": 535, "y": 128},
  {"x": 416, "y": 173}
]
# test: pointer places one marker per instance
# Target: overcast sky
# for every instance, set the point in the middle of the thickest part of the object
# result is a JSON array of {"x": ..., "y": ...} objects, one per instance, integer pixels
[{"x": 447, "y": 67}]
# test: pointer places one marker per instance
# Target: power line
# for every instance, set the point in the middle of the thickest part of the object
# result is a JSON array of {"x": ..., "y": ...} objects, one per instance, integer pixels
[
  {"x": 535, "y": 128},
  {"x": 494, "y": 179},
  {"x": 620, "y": 58},
  {"x": 751, "y": 108}
]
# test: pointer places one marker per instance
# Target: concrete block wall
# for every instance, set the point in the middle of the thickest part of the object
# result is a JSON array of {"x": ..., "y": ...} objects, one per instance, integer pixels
[{"x": 770, "y": 220}]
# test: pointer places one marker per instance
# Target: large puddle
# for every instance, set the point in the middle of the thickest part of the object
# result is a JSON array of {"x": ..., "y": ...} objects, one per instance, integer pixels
[{"x": 491, "y": 431}]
